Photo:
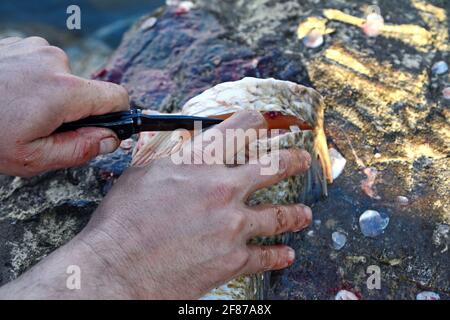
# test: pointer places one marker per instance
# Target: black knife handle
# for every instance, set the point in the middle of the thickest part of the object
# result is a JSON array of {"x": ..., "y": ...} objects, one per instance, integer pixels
[{"x": 124, "y": 124}]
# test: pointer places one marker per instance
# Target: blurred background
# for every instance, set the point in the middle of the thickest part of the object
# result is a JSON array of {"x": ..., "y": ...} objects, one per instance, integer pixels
[{"x": 103, "y": 23}]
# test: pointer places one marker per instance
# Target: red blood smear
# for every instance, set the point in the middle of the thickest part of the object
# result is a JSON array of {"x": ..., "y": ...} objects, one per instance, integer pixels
[
  {"x": 277, "y": 120},
  {"x": 99, "y": 74}
]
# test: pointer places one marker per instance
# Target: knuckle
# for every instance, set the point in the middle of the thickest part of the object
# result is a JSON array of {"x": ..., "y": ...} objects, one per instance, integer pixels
[
  {"x": 84, "y": 150},
  {"x": 223, "y": 192},
  {"x": 29, "y": 161},
  {"x": 236, "y": 224},
  {"x": 67, "y": 81},
  {"x": 55, "y": 52},
  {"x": 238, "y": 260},
  {"x": 37, "y": 40}
]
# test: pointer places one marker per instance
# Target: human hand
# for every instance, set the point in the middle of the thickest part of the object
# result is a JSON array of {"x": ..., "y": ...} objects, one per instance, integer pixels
[
  {"x": 38, "y": 94},
  {"x": 177, "y": 231}
]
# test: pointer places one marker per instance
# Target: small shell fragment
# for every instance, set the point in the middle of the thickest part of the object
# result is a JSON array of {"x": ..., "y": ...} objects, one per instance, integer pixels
[
  {"x": 337, "y": 162},
  {"x": 345, "y": 295},
  {"x": 402, "y": 200},
  {"x": 368, "y": 184},
  {"x": 149, "y": 23},
  {"x": 172, "y": 2},
  {"x": 428, "y": 295},
  {"x": 184, "y": 7},
  {"x": 314, "y": 39},
  {"x": 374, "y": 22},
  {"x": 439, "y": 67},
  {"x": 339, "y": 240},
  {"x": 372, "y": 223},
  {"x": 127, "y": 144},
  {"x": 446, "y": 93}
]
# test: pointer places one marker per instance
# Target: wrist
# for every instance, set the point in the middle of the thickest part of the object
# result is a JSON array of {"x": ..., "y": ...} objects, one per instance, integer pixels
[
  {"x": 73, "y": 271},
  {"x": 119, "y": 257}
]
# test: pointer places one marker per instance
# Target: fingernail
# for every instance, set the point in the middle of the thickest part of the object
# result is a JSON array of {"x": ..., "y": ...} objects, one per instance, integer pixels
[
  {"x": 304, "y": 218},
  {"x": 108, "y": 145},
  {"x": 291, "y": 255}
]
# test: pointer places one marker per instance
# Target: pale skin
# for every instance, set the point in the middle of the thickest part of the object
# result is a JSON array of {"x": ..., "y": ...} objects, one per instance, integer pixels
[{"x": 164, "y": 231}]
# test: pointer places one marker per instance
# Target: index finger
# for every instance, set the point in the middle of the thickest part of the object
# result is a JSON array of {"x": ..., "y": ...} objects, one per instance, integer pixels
[
  {"x": 287, "y": 163},
  {"x": 91, "y": 97},
  {"x": 233, "y": 135}
]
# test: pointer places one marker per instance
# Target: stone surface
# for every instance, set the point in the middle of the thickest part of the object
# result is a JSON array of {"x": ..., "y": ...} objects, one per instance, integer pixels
[{"x": 385, "y": 111}]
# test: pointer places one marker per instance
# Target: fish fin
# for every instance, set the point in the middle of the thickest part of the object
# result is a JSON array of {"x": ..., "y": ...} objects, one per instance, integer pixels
[{"x": 155, "y": 145}]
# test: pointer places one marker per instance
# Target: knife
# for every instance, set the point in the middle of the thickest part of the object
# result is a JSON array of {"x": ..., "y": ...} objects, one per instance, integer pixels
[{"x": 127, "y": 123}]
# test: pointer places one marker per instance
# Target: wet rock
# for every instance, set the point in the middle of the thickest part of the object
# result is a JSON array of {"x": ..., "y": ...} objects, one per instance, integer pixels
[{"x": 87, "y": 55}]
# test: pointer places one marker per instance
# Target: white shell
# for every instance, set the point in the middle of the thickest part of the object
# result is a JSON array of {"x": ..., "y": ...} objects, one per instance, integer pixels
[{"x": 337, "y": 163}]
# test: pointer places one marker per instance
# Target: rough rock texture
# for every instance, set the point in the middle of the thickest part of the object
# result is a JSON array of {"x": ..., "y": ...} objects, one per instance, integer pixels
[{"x": 385, "y": 111}]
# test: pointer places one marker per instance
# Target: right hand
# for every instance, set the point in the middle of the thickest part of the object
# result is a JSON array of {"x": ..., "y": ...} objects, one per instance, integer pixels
[
  {"x": 177, "y": 231},
  {"x": 38, "y": 93}
]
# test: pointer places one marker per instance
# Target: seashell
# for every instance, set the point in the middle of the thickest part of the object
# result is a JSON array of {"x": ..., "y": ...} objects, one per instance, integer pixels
[
  {"x": 402, "y": 200},
  {"x": 368, "y": 184},
  {"x": 314, "y": 39},
  {"x": 337, "y": 163},
  {"x": 428, "y": 295},
  {"x": 446, "y": 93},
  {"x": 149, "y": 23},
  {"x": 339, "y": 240},
  {"x": 127, "y": 144},
  {"x": 374, "y": 23},
  {"x": 345, "y": 295},
  {"x": 439, "y": 67},
  {"x": 372, "y": 223}
]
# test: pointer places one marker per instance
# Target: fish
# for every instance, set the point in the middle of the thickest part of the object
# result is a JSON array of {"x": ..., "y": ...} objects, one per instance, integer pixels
[{"x": 297, "y": 110}]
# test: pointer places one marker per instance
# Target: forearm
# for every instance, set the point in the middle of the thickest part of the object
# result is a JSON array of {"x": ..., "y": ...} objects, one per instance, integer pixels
[{"x": 56, "y": 277}]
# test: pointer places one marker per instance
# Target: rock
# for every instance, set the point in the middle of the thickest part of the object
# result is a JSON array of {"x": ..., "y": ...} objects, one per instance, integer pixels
[{"x": 87, "y": 55}]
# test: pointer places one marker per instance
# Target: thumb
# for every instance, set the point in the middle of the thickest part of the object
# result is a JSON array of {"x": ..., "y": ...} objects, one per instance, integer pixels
[{"x": 73, "y": 148}]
